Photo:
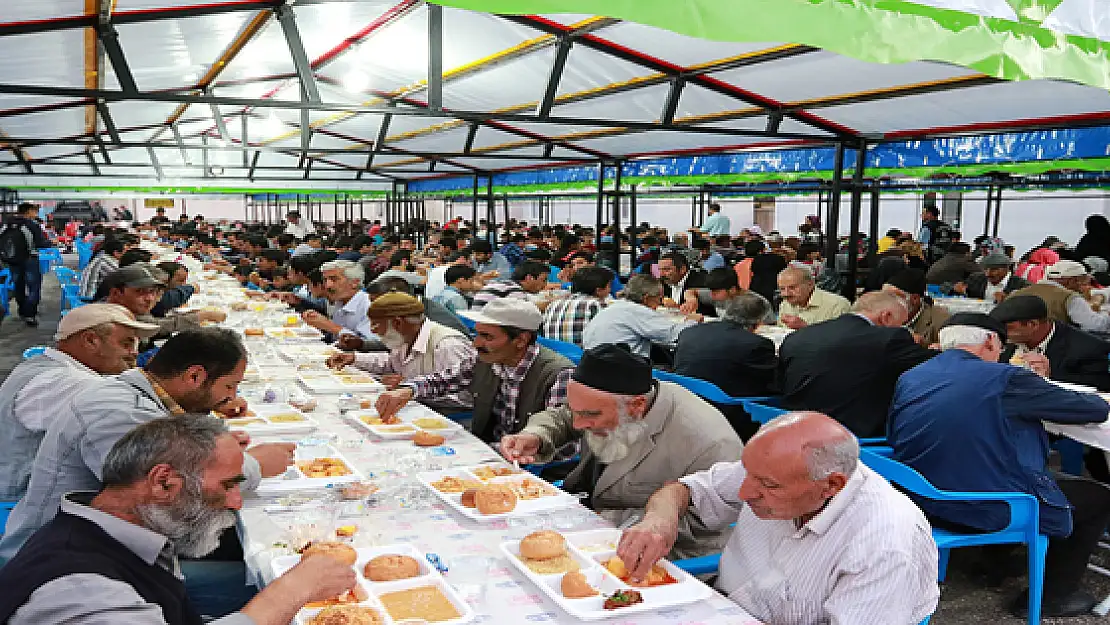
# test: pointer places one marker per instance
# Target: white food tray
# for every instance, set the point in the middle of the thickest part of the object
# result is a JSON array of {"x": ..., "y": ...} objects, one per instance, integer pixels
[
  {"x": 429, "y": 576},
  {"x": 331, "y": 382},
  {"x": 295, "y": 333},
  {"x": 294, "y": 479},
  {"x": 524, "y": 507},
  {"x": 686, "y": 588},
  {"x": 264, "y": 412},
  {"x": 407, "y": 427},
  {"x": 298, "y": 353}
]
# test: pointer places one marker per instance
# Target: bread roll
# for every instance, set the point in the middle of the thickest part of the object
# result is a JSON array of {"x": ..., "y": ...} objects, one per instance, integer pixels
[
  {"x": 390, "y": 567},
  {"x": 427, "y": 439},
  {"x": 543, "y": 545},
  {"x": 339, "y": 551},
  {"x": 495, "y": 499}
]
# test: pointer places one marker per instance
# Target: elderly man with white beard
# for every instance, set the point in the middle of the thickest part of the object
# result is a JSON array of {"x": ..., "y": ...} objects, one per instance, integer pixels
[
  {"x": 417, "y": 346},
  {"x": 170, "y": 488},
  {"x": 639, "y": 435}
]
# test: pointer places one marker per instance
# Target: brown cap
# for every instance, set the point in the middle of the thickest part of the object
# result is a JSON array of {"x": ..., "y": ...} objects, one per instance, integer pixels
[{"x": 395, "y": 305}]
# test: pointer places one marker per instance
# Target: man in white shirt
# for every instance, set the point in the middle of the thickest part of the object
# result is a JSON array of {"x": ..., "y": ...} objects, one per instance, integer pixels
[
  {"x": 92, "y": 340},
  {"x": 343, "y": 283},
  {"x": 297, "y": 226},
  {"x": 634, "y": 320},
  {"x": 819, "y": 537}
]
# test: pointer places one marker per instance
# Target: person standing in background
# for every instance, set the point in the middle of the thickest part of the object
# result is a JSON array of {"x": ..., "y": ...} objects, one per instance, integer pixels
[{"x": 20, "y": 242}]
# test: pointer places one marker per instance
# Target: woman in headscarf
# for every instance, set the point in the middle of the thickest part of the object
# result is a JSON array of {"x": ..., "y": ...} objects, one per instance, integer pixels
[
  {"x": 1097, "y": 240},
  {"x": 1033, "y": 269}
]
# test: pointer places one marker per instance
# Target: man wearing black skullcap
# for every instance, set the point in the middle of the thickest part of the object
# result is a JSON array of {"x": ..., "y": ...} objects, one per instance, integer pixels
[
  {"x": 639, "y": 434},
  {"x": 969, "y": 423},
  {"x": 1072, "y": 354},
  {"x": 925, "y": 318}
]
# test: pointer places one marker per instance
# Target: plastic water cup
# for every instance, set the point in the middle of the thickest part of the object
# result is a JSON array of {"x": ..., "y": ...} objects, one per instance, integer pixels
[{"x": 470, "y": 577}]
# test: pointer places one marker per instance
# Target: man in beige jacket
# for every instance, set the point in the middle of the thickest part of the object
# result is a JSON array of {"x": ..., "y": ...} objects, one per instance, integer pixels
[{"x": 639, "y": 434}]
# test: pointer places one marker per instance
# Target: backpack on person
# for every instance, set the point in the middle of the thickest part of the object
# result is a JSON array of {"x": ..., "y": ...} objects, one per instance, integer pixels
[
  {"x": 15, "y": 243},
  {"x": 940, "y": 238}
]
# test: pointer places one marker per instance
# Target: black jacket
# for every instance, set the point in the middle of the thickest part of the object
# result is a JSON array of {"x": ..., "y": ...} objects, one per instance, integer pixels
[
  {"x": 977, "y": 285},
  {"x": 847, "y": 368},
  {"x": 1074, "y": 356},
  {"x": 696, "y": 280},
  {"x": 741, "y": 363},
  {"x": 765, "y": 274}
]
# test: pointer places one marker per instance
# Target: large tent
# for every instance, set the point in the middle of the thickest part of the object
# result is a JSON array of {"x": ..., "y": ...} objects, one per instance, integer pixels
[{"x": 363, "y": 95}]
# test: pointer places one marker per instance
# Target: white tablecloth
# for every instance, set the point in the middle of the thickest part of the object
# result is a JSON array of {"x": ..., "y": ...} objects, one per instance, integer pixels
[
  {"x": 423, "y": 521},
  {"x": 963, "y": 304}
]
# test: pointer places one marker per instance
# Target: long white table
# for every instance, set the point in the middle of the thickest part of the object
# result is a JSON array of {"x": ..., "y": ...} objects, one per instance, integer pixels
[{"x": 418, "y": 518}]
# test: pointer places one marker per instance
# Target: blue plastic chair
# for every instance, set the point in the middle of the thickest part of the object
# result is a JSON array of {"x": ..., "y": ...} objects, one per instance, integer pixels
[
  {"x": 7, "y": 288},
  {"x": 1024, "y": 527},
  {"x": 761, "y": 412},
  {"x": 66, "y": 275},
  {"x": 705, "y": 389},
  {"x": 570, "y": 350},
  {"x": 71, "y": 298},
  {"x": 31, "y": 352},
  {"x": 49, "y": 257},
  {"x": 6, "y": 508},
  {"x": 84, "y": 253}
]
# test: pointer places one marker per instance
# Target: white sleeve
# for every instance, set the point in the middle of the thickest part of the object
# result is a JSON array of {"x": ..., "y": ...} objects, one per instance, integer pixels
[
  {"x": 1080, "y": 312},
  {"x": 714, "y": 493}
]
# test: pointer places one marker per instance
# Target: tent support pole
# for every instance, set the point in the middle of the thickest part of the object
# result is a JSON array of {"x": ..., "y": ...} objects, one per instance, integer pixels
[
  {"x": 617, "y": 222},
  {"x": 832, "y": 242},
  {"x": 873, "y": 241},
  {"x": 853, "y": 234},
  {"x": 600, "y": 203},
  {"x": 997, "y": 212}
]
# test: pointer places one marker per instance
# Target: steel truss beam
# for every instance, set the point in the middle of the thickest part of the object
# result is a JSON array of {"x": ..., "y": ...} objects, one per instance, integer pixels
[
  {"x": 562, "y": 51},
  {"x": 656, "y": 65},
  {"x": 383, "y": 130},
  {"x": 435, "y": 57},
  {"x": 109, "y": 38},
  {"x": 135, "y": 17},
  {"x": 154, "y": 162},
  {"x": 109, "y": 125}
]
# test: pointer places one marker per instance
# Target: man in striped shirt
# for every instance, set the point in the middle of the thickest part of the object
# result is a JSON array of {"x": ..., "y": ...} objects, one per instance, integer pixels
[
  {"x": 98, "y": 268},
  {"x": 819, "y": 537}
]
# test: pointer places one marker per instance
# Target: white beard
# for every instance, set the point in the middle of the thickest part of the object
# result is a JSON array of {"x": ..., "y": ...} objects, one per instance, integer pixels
[
  {"x": 393, "y": 339},
  {"x": 618, "y": 443},
  {"x": 193, "y": 526}
]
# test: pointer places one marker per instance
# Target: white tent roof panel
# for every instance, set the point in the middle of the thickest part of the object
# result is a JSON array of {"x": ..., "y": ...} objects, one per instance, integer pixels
[
  {"x": 28, "y": 10},
  {"x": 174, "y": 53},
  {"x": 265, "y": 55},
  {"x": 675, "y": 48},
  {"x": 445, "y": 141},
  {"x": 127, "y": 114},
  {"x": 46, "y": 125},
  {"x": 363, "y": 126},
  {"x": 979, "y": 105},
  {"x": 656, "y": 141},
  {"x": 51, "y": 59},
  {"x": 644, "y": 105},
  {"x": 509, "y": 84},
  {"x": 820, "y": 74},
  {"x": 588, "y": 69}
]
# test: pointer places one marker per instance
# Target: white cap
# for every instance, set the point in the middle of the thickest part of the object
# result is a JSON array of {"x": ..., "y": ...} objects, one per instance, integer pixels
[
  {"x": 507, "y": 312},
  {"x": 91, "y": 315},
  {"x": 1066, "y": 269}
]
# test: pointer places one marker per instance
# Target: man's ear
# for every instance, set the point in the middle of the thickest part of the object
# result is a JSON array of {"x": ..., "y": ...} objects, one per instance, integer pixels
[
  {"x": 834, "y": 483},
  {"x": 196, "y": 375},
  {"x": 164, "y": 483}
]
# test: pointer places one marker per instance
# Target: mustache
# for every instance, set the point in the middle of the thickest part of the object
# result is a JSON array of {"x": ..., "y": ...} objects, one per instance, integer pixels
[{"x": 482, "y": 350}]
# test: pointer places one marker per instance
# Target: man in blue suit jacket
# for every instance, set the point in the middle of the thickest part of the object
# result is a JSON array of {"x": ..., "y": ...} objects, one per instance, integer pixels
[{"x": 969, "y": 423}]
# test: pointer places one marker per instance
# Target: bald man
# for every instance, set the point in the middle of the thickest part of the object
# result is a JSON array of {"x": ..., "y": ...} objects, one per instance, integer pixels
[
  {"x": 819, "y": 537},
  {"x": 804, "y": 304}
]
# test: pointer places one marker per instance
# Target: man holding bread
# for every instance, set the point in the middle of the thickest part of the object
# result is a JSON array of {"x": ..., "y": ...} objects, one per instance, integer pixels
[{"x": 638, "y": 434}]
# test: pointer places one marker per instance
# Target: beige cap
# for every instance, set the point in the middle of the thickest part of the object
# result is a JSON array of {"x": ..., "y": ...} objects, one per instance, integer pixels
[
  {"x": 506, "y": 312},
  {"x": 92, "y": 315}
]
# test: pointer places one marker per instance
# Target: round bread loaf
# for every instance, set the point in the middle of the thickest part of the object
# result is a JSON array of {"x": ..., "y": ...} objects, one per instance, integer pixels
[
  {"x": 427, "y": 439},
  {"x": 339, "y": 551},
  {"x": 390, "y": 567},
  {"x": 543, "y": 545},
  {"x": 495, "y": 499}
]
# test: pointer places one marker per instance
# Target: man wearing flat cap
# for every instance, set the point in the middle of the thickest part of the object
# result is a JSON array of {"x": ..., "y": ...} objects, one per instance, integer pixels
[
  {"x": 969, "y": 423},
  {"x": 138, "y": 287},
  {"x": 925, "y": 317},
  {"x": 1071, "y": 354},
  {"x": 1062, "y": 290},
  {"x": 510, "y": 377},
  {"x": 417, "y": 346},
  {"x": 995, "y": 283},
  {"x": 639, "y": 434}
]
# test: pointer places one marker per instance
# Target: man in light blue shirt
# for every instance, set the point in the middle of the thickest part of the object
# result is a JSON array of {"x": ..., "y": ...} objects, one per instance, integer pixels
[
  {"x": 487, "y": 261},
  {"x": 634, "y": 320},
  {"x": 343, "y": 283},
  {"x": 716, "y": 224}
]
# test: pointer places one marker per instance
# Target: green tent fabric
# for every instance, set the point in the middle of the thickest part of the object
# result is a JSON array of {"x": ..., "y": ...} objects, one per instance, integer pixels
[{"x": 1009, "y": 39}]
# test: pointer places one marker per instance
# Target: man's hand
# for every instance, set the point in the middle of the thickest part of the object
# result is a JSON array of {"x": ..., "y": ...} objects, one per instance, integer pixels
[
  {"x": 234, "y": 408},
  {"x": 322, "y": 577},
  {"x": 391, "y": 402},
  {"x": 999, "y": 296},
  {"x": 215, "y": 316},
  {"x": 273, "y": 458},
  {"x": 349, "y": 342},
  {"x": 288, "y": 298},
  {"x": 318, "y": 321},
  {"x": 645, "y": 543},
  {"x": 392, "y": 380},
  {"x": 794, "y": 322},
  {"x": 960, "y": 287},
  {"x": 696, "y": 318},
  {"x": 1037, "y": 363},
  {"x": 521, "y": 448},
  {"x": 339, "y": 361},
  {"x": 669, "y": 303},
  {"x": 689, "y": 307}
]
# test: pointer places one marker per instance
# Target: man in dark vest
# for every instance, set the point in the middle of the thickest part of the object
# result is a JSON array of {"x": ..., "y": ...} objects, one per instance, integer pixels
[
  {"x": 510, "y": 378},
  {"x": 170, "y": 488}
]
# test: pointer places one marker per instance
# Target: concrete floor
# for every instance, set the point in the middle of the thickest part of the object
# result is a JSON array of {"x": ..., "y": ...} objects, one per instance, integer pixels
[
  {"x": 966, "y": 598},
  {"x": 15, "y": 336}
]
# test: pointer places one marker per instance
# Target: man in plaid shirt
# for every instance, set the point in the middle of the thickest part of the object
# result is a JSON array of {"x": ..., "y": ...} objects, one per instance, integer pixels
[
  {"x": 511, "y": 377},
  {"x": 98, "y": 268},
  {"x": 565, "y": 319}
]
